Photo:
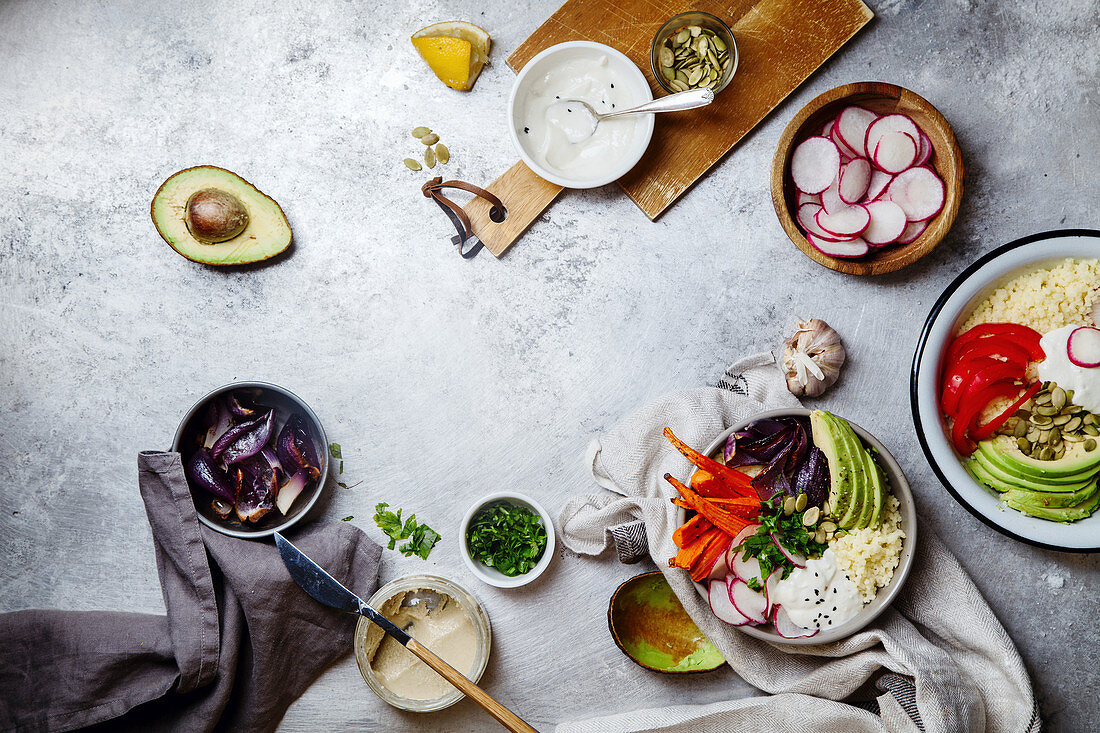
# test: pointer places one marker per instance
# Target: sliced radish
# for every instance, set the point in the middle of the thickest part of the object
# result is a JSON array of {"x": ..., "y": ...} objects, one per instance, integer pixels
[
  {"x": 806, "y": 214},
  {"x": 857, "y": 247},
  {"x": 814, "y": 164},
  {"x": 827, "y": 131},
  {"x": 769, "y": 590},
  {"x": 789, "y": 629},
  {"x": 895, "y": 152},
  {"x": 851, "y": 126},
  {"x": 721, "y": 605},
  {"x": 918, "y": 191},
  {"x": 912, "y": 231},
  {"x": 854, "y": 179},
  {"x": 879, "y": 181},
  {"x": 1083, "y": 347},
  {"x": 808, "y": 198},
  {"x": 888, "y": 123},
  {"x": 720, "y": 567},
  {"x": 925, "y": 149},
  {"x": 745, "y": 570},
  {"x": 749, "y": 602},
  {"x": 849, "y": 221},
  {"x": 830, "y": 198},
  {"x": 796, "y": 559},
  {"x": 846, "y": 150},
  {"x": 887, "y": 223}
]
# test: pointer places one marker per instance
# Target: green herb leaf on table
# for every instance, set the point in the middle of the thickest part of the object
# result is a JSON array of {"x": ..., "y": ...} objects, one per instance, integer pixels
[
  {"x": 334, "y": 450},
  {"x": 348, "y": 518},
  {"x": 421, "y": 538},
  {"x": 506, "y": 537}
]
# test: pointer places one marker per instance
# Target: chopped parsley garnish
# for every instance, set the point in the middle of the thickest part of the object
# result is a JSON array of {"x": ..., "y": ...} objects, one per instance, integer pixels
[
  {"x": 421, "y": 538},
  {"x": 506, "y": 537},
  {"x": 790, "y": 531}
]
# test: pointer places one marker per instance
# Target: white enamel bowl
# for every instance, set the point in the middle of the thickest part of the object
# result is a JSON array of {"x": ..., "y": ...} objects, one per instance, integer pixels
[
  {"x": 949, "y": 312},
  {"x": 899, "y": 487}
]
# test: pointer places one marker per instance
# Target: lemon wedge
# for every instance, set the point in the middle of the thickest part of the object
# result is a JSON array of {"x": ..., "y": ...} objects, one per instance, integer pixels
[{"x": 455, "y": 50}]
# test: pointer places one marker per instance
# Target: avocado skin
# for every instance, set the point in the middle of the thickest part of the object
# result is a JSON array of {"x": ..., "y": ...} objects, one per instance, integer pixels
[{"x": 267, "y": 234}]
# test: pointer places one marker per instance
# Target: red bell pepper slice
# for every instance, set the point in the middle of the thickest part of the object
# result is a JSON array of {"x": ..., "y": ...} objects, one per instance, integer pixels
[
  {"x": 1007, "y": 349},
  {"x": 991, "y": 427},
  {"x": 1023, "y": 336},
  {"x": 971, "y": 407},
  {"x": 958, "y": 377}
]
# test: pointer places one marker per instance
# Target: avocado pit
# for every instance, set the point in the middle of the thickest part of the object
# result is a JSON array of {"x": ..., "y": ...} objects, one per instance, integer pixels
[{"x": 213, "y": 215}]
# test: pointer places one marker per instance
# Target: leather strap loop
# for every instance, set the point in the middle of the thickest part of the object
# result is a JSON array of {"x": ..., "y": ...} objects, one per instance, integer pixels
[{"x": 433, "y": 189}]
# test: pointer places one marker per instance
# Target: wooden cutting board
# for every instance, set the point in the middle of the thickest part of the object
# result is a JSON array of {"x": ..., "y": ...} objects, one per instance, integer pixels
[{"x": 779, "y": 42}]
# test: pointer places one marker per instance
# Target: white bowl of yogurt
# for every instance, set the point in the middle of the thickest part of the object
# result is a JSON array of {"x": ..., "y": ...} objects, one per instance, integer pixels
[{"x": 541, "y": 128}]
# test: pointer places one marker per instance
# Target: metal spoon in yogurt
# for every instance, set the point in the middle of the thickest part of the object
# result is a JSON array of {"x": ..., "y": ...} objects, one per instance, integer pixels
[{"x": 578, "y": 120}]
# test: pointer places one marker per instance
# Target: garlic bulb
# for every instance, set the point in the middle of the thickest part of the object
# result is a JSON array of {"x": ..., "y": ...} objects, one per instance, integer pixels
[{"x": 812, "y": 358}]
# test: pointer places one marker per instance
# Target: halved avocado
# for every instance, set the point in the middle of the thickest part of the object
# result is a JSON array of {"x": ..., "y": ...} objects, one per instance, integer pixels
[
  {"x": 1002, "y": 452},
  {"x": 214, "y": 216},
  {"x": 832, "y": 445}
]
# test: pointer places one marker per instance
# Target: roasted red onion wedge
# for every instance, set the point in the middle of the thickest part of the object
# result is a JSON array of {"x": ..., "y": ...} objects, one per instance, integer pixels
[
  {"x": 207, "y": 476},
  {"x": 289, "y": 491},
  {"x": 295, "y": 448},
  {"x": 248, "y": 443},
  {"x": 257, "y": 493}
]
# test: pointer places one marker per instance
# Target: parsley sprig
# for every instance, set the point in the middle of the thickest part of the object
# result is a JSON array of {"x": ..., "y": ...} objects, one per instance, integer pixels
[
  {"x": 790, "y": 531},
  {"x": 421, "y": 538},
  {"x": 506, "y": 537}
]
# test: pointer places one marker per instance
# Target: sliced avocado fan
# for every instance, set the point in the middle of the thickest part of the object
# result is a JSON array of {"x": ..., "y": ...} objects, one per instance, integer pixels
[{"x": 213, "y": 216}]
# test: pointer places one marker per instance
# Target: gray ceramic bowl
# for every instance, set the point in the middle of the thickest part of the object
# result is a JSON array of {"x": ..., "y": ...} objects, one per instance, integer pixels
[
  {"x": 285, "y": 403},
  {"x": 898, "y": 486}
]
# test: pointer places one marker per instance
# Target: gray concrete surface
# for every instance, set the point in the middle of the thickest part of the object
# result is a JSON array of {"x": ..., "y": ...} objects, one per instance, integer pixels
[{"x": 497, "y": 372}]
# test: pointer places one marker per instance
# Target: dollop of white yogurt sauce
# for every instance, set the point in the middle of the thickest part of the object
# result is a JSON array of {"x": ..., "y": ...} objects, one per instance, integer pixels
[
  {"x": 550, "y": 127},
  {"x": 818, "y": 595},
  {"x": 1057, "y": 368}
]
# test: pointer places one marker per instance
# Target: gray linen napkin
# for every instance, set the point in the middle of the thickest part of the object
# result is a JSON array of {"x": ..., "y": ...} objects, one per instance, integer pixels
[
  {"x": 939, "y": 656},
  {"x": 239, "y": 643}
]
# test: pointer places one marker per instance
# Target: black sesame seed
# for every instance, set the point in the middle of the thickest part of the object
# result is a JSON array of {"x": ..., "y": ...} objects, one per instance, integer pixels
[
  {"x": 612, "y": 105},
  {"x": 817, "y": 592},
  {"x": 807, "y": 600},
  {"x": 834, "y": 590},
  {"x": 830, "y": 623},
  {"x": 568, "y": 110},
  {"x": 612, "y": 86},
  {"x": 556, "y": 97},
  {"x": 834, "y": 607},
  {"x": 527, "y": 130}
]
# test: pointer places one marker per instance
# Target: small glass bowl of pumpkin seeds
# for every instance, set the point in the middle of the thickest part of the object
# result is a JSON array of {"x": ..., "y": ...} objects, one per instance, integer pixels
[{"x": 693, "y": 50}]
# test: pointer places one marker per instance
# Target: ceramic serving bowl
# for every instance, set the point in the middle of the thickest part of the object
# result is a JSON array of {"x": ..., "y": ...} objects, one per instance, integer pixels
[
  {"x": 490, "y": 575},
  {"x": 900, "y": 489},
  {"x": 649, "y": 624},
  {"x": 703, "y": 20},
  {"x": 368, "y": 636},
  {"x": 949, "y": 312},
  {"x": 883, "y": 99},
  {"x": 537, "y": 67},
  {"x": 285, "y": 404}
]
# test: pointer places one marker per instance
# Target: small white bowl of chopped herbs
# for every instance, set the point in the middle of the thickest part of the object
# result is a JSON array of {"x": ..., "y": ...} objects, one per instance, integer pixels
[{"x": 507, "y": 539}]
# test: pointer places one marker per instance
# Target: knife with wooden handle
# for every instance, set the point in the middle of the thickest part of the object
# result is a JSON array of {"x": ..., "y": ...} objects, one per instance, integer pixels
[{"x": 324, "y": 588}]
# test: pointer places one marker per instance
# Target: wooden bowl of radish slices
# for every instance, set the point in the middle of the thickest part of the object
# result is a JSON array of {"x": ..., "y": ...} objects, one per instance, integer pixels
[{"x": 867, "y": 178}]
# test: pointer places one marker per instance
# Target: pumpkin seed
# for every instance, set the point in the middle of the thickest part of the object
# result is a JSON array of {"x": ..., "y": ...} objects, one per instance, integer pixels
[
  {"x": 1058, "y": 398},
  {"x": 1036, "y": 451},
  {"x": 701, "y": 46},
  {"x": 666, "y": 55},
  {"x": 430, "y": 139},
  {"x": 413, "y": 165},
  {"x": 718, "y": 43},
  {"x": 419, "y": 132},
  {"x": 682, "y": 36},
  {"x": 788, "y": 506},
  {"x": 1069, "y": 395},
  {"x": 695, "y": 75},
  {"x": 1071, "y": 425},
  {"x": 1040, "y": 420},
  {"x": 694, "y": 30},
  {"x": 429, "y": 157},
  {"x": 1061, "y": 451},
  {"x": 825, "y": 509},
  {"x": 828, "y": 526},
  {"x": 1090, "y": 419},
  {"x": 1072, "y": 437},
  {"x": 800, "y": 502},
  {"x": 1024, "y": 445},
  {"x": 442, "y": 154},
  {"x": 682, "y": 77},
  {"x": 1091, "y": 430},
  {"x": 669, "y": 73},
  {"x": 678, "y": 85},
  {"x": 1062, "y": 419},
  {"x": 1021, "y": 429},
  {"x": 1046, "y": 453},
  {"x": 1042, "y": 398},
  {"x": 811, "y": 516},
  {"x": 1090, "y": 445},
  {"x": 820, "y": 537},
  {"x": 1044, "y": 436},
  {"x": 1047, "y": 410}
]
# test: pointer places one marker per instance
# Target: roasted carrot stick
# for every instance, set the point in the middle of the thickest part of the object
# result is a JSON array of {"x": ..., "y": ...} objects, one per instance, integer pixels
[
  {"x": 690, "y": 529},
  {"x": 732, "y": 479},
  {"x": 720, "y": 518},
  {"x": 703, "y": 564},
  {"x": 688, "y": 554}
]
